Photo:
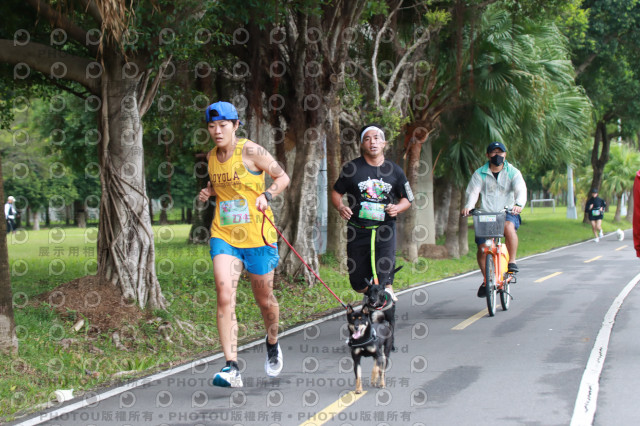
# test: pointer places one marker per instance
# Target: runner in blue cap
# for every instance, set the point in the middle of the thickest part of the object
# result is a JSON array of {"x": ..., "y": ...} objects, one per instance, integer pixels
[
  {"x": 237, "y": 169},
  {"x": 222, "y": 111}
]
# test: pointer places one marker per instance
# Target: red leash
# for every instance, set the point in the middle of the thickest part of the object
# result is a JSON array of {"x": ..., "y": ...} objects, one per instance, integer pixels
[{"x": 299, "y": 257}]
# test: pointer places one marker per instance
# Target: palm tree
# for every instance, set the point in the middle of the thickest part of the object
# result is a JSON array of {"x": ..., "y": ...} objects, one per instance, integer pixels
[{"x": 519, "y": 90}]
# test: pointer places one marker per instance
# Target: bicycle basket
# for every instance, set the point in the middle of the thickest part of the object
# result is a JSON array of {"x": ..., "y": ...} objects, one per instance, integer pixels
[{"x": 489, "y": 225}]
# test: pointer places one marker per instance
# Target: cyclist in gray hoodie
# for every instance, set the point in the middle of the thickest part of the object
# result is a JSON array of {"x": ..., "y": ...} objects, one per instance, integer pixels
[{"x": 501, "y": 185}]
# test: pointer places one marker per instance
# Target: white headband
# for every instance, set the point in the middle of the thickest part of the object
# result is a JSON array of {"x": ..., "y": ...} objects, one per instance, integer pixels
[{"x": 372, "y": 128}]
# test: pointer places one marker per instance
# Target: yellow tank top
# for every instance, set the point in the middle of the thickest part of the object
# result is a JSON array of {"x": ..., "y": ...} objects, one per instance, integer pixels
[{"x": 237, "y": 220}]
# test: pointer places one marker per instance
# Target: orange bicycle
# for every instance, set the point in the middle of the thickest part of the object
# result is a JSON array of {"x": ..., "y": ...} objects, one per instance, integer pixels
[{"x": 490, "y": 225}]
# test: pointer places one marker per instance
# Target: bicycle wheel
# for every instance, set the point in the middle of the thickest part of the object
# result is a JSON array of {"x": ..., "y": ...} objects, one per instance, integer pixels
[
  {"x": 490, "y": 281},
  {"x": 505, "y": 297}
]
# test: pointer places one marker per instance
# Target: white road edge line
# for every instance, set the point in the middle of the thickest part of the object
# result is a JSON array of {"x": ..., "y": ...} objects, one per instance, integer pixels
[
  {"x": 96, "y": 398},
  {"x": 587, "y": 398}
]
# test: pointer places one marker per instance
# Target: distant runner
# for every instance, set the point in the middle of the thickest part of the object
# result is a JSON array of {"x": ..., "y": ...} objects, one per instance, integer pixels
[{"x": 595, "y": 210}]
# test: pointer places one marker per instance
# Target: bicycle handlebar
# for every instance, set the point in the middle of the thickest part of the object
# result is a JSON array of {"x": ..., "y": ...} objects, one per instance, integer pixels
[{"x": 476, "y": 212}]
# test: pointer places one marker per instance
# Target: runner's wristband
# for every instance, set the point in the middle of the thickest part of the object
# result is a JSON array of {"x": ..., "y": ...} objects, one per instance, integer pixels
[{"x": 268, "y": 196}]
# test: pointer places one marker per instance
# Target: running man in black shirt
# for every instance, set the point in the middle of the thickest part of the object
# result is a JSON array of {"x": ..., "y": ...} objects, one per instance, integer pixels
[{"x": 377, "y": 191}]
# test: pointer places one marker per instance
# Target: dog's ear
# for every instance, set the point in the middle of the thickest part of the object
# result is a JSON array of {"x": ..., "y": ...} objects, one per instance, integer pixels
[
  {"x": 349, "y": 309},
  {"x": 365, "y": 310},
  {"x": 369, "y": 282}
]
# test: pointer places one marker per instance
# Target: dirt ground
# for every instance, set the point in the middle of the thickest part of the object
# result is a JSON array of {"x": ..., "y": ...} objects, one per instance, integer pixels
[{"x": 100, "y": 304}]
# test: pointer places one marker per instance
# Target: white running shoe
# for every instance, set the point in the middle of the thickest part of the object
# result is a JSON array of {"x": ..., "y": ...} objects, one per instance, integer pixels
[
  {"x": 597, "y": 240},
  {"x": 273, "y": 364},
  {"x": 600, "y": 234},
  {"x": 228, "y": 377}
]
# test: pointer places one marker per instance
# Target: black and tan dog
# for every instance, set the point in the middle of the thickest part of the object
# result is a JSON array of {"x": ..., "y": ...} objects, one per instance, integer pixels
[
  {"x": 380, "y": 304},
  {"x": 369, "y": 339}
]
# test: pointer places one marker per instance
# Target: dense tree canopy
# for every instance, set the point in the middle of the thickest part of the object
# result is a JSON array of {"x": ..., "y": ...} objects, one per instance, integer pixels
[{"x": 606, "y": 61}]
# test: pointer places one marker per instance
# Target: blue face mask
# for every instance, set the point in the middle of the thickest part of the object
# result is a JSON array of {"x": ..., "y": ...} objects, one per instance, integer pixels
[{"x": 497, "y": 160}]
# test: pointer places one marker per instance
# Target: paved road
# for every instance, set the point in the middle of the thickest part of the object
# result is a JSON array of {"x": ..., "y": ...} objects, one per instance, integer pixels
[{"x": 454, "y": 365}]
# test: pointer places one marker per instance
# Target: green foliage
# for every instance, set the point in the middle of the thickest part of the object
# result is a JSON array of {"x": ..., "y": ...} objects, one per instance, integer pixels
[
  {"x": 351, "y": 97},
  {"x": 37, "y": 179},
  {"x": 438, "y": 18},
  {"x": 620, "y": 171},
  {"x": 161, "y": 29},
  {"x": 607, "y": 61},
  {"x": 374, "y": 8},
  {"x": 461, "y": 161},
  {"x": 555, "y": 181},
  {"x": 520, "y": 91},
  {"x": 389, "y": 118},
  {"x": 574, "y": 22},
  {"x": 173, "y": 134}
]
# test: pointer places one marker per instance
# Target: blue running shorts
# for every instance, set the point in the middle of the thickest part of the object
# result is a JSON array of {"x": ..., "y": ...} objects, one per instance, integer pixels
[{"x": 256, "y": 260}]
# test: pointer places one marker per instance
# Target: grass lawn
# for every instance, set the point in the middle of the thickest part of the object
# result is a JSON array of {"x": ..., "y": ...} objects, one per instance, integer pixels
[{"x": 52, "y": 356}]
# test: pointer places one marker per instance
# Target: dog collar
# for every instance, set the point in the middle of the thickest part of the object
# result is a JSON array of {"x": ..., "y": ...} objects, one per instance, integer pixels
[
  {"x": 386, "y": 304},
  {"x": 371, "y": 340}
]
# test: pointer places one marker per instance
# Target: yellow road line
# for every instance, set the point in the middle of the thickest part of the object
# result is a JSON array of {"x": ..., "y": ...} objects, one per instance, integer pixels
[
  {"x": 329, "y": 412},
  {"x": 555, "y": 274},
  {"x": 591, "y": 260},
  {"x": 466, "y": 323},
  {"x": 622, "y": 247}
]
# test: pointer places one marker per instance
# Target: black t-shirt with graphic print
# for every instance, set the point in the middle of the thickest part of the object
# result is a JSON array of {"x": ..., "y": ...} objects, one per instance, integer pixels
[{"x": 369, "y": 189}]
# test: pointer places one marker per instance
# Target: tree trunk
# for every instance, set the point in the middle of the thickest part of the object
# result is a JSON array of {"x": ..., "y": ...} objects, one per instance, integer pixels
[
  {"x": 618, "y": 215},
  {"x": 442, "y": 199},
  {"x": 298, "y": 217},
  {"x": 424, "y": 197},
  {"x": 19, "y": 219},
  {"x": 164, "y": 219},
  {"x": 202, "y": 213},
  {"x": 68, "y": 212},
  {"x": 200, "y": 231},
  {"x": 416, "y": 137},
  {"x": 452, "y": 241},
  {"x": 36, "y": 221},
  {"x": 126, "y": 253},
  {"x": 629, "y": 216},
  {"x": 335, "y": 224},
  {"x": 8, "y": 339},
  {"x": 463, "y": 226},
  {"x": 599, "y": 158},
  {"x": 80, "y": 214}
]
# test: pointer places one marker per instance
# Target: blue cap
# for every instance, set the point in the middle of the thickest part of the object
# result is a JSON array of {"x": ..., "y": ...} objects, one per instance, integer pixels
[
  {"x": 222, "y": 111},
  {"x": 494, "y": 145}
]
